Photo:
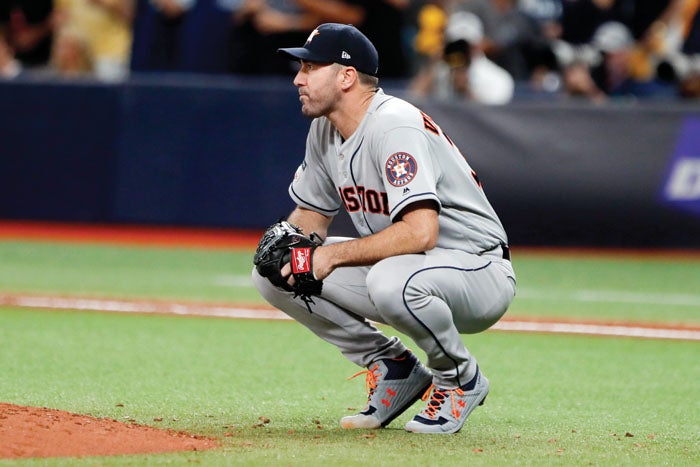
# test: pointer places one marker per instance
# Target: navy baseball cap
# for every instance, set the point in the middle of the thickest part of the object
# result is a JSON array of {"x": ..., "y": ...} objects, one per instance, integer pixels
[{"x": 337, "y": 43}]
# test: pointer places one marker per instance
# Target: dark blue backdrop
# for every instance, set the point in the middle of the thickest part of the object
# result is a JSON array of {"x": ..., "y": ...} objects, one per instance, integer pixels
[{"x": 221, "y": 151}]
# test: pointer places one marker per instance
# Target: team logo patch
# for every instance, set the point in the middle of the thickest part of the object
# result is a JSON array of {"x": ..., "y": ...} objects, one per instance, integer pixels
[{"x": 401, "y": 168}]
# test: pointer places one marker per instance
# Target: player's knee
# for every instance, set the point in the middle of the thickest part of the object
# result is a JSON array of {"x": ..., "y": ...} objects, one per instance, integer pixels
[
  {"x": 268, "y": 291},
  {"x": 384, "y": 289}
]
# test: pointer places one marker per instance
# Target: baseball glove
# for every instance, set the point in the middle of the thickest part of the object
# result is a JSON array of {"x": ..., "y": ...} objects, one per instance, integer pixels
[{"x": 284, "y": 243}]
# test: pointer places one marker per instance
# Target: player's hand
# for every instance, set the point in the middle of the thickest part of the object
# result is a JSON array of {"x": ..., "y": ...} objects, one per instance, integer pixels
[{"x": 320, "y": 264}]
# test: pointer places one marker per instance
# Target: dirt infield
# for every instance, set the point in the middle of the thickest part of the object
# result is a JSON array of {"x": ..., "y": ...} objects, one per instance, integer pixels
[{"x": 28, "y": 432}]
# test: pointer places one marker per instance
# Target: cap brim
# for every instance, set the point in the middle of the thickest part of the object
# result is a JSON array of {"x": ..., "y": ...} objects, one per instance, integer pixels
[{"x": 300, "y": 53}]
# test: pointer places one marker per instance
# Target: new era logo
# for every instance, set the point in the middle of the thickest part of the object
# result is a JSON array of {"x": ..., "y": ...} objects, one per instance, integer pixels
[{"x": 345, "y": 55}]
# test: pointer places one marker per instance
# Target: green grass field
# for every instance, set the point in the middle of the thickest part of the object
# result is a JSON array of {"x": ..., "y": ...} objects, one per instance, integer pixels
[{"x": 555, "y": 399}]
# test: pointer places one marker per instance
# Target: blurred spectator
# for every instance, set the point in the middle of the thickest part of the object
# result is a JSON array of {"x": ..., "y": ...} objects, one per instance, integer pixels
[
  {"x": 173, "y": 8},
  {"x": 656, "y": 28},
  {"x": 517, "y": 43},
  {"x": 10, "y": 67},
  {"x": 682, "y": 66},
  {"x": 28, "y": 30},
  {"x": 384, "y": 23},
  {"x": 646, "y": 22},
  {"x": 640, "y": 15},
  {"x": 71, "y": 57},
  {"x": 432, "y": 20},
  {"x": 691, "y": 27},
  {"x": 263, "y": 26},
  {"x": 580, "y": 19},
  {"x": 614, "y": 74},
  {"x": 547, "y": 13},
  {"x": 484, "y": 9},
  {"x": 689, "y": 82},
  {"x": 429, "y": 39},
  {"x": 160, "y": 33},
  {"x": 242, "y": 36},
  {"x": 463, "y": 72},
  {"x": 545, "y": 74},
  {"x": 93, "y": 37},
  {"x": 621, "y": 63},
  {"x": 578, "y": 82}
]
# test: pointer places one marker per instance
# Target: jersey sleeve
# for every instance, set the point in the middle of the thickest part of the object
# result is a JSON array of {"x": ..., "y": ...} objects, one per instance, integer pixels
[
  {"x": 311, "y": 187},
  {"x": 407, "y": 169}
]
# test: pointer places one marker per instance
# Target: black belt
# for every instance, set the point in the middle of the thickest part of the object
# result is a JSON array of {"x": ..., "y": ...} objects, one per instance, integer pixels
[{"x": 505, "y": 250}]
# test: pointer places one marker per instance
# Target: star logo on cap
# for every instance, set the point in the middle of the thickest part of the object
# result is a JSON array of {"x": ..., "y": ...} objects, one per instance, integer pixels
[{"x": 313, "y": 34}]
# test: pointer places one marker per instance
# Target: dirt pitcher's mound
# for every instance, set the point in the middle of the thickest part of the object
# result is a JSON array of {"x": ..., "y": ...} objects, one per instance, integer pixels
[{"x": 34, "y": 432}]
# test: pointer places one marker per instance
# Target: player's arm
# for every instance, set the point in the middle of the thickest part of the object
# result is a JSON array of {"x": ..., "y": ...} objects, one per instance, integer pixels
[
  {"x": 415, "y": 231},
  {"x": 310, "y": 221}
]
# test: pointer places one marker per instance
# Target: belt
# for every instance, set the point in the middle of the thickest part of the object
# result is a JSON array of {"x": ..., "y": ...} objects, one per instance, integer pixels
[{"x": 505, "y": 251}]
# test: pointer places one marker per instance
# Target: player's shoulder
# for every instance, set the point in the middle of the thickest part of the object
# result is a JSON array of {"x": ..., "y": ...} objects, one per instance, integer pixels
[{"x": 389, "y": 112}]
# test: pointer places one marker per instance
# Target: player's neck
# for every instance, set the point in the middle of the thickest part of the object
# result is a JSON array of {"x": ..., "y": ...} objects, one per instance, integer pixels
[{"x": 348, "y": 116}]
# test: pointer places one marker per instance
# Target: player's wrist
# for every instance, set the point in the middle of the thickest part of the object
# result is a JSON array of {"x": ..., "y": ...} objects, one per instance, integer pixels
[{"x": 322, "y": 265}]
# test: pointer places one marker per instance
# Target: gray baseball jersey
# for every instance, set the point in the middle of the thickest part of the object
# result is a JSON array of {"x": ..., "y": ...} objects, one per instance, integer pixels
[{"x": 398, "y": 155}]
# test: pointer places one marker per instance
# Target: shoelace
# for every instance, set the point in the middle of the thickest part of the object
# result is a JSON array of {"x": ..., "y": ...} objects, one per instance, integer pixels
[
  {"x": 371, "y": 378},
  {"x": 439, "y": 397}
]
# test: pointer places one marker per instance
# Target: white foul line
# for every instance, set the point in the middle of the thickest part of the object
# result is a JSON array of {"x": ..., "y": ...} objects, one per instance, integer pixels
[
  {"x": 598, "y": 330},
  {"x": 226, "y": 311},
  {"x": 614, "y": 296}
]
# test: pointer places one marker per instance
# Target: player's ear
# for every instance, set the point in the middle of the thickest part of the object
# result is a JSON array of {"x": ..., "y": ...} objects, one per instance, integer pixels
[{"x": 347, "y": 77}]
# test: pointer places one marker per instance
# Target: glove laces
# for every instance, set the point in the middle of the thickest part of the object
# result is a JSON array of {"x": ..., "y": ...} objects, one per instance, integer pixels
[{"x": 306, "y": 299}]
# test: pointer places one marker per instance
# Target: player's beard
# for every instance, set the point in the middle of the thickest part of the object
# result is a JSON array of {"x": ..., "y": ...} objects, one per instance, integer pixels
[{"x": 321, "y": 104}]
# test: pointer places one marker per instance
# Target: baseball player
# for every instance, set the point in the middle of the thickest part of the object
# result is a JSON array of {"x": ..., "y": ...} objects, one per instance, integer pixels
[{"x": 432, "y": 259}]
